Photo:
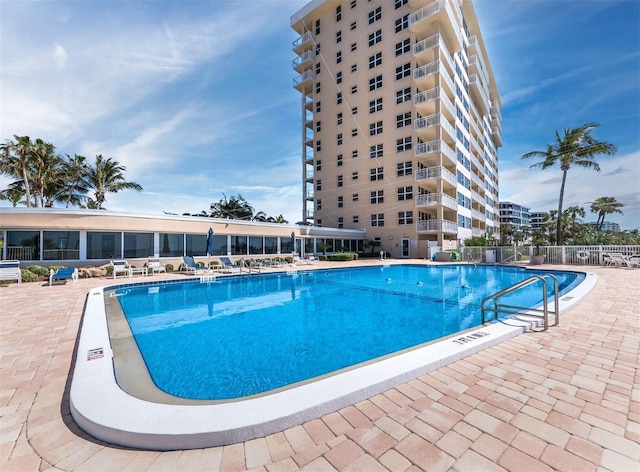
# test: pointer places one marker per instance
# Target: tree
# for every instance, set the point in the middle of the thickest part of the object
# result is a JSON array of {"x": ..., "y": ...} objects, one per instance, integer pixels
[
  {"x": 604, "y": 206},
  {"x": 234, "y": 208},
  {"x": 76, "y": 172},
  {"x": 16, "y": 160},
  {"x": 107, "y": 176},
  {"x": 575, "y": 147}
]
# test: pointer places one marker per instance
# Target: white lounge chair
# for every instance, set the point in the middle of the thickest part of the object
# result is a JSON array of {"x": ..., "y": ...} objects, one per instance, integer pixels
[
  {"x": 121, "y": 266},
  {"x": 154, "y": 265},
  {"x": 10, "y": 270},
  {"x": 617, "y": 259}
]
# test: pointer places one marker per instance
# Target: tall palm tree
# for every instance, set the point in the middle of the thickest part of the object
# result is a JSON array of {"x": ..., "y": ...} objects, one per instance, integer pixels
[
  {"x": 107, "y": 176},
  {"x": 77, "y": 171},
  {"x": 16, "y": 160},
  {"x": 46, "y": 175},
  {"x": 604, "y": 206},
  {"x": 575, "y": 147},
  {"x": 234, "y": 208}
]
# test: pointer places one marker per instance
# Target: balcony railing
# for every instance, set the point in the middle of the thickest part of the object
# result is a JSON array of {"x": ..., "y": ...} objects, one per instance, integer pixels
[
  {"x": 306, "y": 56},
  {"x": 434, "y": 120},
  {"x": 434, "y": 8},
  {"x": 437, "y": 226},
  {"x": 305, "y": 76},
  {"x": 437, "y": 172},
  {"x": 435, "y": 146},
  {"x": 435, "y": 199},
  {"x": 302, "y": 39}
]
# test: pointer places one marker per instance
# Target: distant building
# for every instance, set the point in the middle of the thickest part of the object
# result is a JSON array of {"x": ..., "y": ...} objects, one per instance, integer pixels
[
  {"x": 515, "y": 215},
  {"x": 400, "y": 120},
  {"x": 537, "y": 219},
  {"x": 607, "y": 226}
]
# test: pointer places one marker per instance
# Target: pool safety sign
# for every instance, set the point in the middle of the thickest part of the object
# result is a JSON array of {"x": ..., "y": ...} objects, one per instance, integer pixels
[
  {"x": 469, "y": 338},
  {"x": 93, "y": 354}
]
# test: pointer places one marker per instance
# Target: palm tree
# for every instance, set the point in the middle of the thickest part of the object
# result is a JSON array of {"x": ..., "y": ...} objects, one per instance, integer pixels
[
  {"x": 46, "y": 174},
  {"x": 578, "y": 147},
  {"x": 107, "y": 176},
  {"x": 603, "y": 206},
  {"x": 235, "y": 208},
  {"x": 76, "y": 172},
  {"x": 17, "y": 157}
]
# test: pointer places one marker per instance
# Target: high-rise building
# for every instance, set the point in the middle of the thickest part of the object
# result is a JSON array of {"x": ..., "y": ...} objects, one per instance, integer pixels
[
  {"x": 400, "y": 121},
  {"x": 516, "y": 215}
]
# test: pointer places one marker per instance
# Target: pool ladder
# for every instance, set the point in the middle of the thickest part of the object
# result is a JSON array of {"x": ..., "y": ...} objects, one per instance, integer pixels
[{"x": 513, "y": 309}]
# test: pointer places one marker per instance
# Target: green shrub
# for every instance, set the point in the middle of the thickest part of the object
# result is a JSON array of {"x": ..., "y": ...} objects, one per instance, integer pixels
[
  {"x": 28, "y": 276},
  {"x": 288, "y": 259},
  {"x": 168, "y": 267},
  {"x": 38, "y": 270},
  {"x": 109, "y": 270},
  {"x": 342, "y": 256}
]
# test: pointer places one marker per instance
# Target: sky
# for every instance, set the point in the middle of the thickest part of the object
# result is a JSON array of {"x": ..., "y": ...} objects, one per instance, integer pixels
[{"x": 196, "y": 98}]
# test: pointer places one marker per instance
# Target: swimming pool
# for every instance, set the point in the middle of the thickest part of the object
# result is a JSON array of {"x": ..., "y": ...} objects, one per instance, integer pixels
[
  {"x": 243, "y": 336},
  {"x": 178, "y": 420}
]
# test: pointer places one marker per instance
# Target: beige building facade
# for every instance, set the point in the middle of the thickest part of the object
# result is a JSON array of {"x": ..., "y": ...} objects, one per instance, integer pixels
[{"x": 400, "y": 121}]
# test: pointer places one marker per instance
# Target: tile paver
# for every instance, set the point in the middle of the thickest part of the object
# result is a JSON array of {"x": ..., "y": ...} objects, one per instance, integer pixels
[{"x": 565, "y": 399}]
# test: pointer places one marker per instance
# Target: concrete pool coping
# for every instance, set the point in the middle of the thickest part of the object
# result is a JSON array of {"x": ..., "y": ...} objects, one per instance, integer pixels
[{"x": 106, "y": 412}]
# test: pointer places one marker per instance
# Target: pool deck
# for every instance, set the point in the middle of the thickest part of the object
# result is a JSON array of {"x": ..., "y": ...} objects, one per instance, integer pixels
[{"x": 565, "y": 399}]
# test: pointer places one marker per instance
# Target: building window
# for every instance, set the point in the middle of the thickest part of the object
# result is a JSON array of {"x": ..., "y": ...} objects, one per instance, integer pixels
[
  {"x": 354, "y": 175},
  {"x": 318, "y": 126},
  {"x": 398, "y": 3},
  {"x": 318, "y": 107},
  {"x": 405, "y": 217},
  {"x": 318, "y": 145},
  {"x": 354, "y": 46},
  {"x": 403, "y": 47},
  {"x": 172, "y": 244},
  {"x": 340, "y": 222},
  {"x": 403, "y": 95},
  {"x": 375, "y": 15},
  {"x": 339, "y": 139},
  {"x": 375, "y": 60},
  {"x": 376, "y": 174},
  {"x": 354, "y": 132},
  {"x": 339, "y": 37},
  {"x": 405, "y": 193},
  {"x": 318, "y": 68},
  {"x": 318, "y": 184},
  {"x": 354, "y": 89},
  {"x": 354, "y": 154},
  {"x": 375, "y": 128},
  {"x": 318, "y": 204},
  {"x": 403, "y": 119},
  {"x": 403, "y": 71},
  {"x": 377, "y": 220},
  {"x": 317, "y": 49},
  {"x": 354, "y": 197},
  {"x": 405, "y": 168},
  {"x": 377, "y": 196},
  {"x": 340, "y": 202},
  {"x": 376, "y": 151},
  {"x": 375, "y": 38},
  {"x": 402, "y": 23},
  {"x": 338, "y": 57},
  {"x": 317, "y": 87},
  {"x": 339, "y": 13},
  {"x": 354, "y": 68},
  {"x": 375, "y": 105},
  {"x": 339, "y": 181},
  {"x": 355, "y": 219},
  {"x": 403, "y": 144},
  {"x": 339, "y": 160},
  {"x": 338, "y": 98},
  {"x": 353, "y": 4},
  {"x": 339, "y": 119},
  {"x": 317, "y": 27},
  {"x": 318, "y": 165},
  {"x": 375, "y": 83},
  {"x": 339, "y": 78},
  {"x": 353, "y": 26}
]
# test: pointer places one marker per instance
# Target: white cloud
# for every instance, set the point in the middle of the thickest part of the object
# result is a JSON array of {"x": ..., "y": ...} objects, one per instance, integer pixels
[{"x": 59, "y": 56}]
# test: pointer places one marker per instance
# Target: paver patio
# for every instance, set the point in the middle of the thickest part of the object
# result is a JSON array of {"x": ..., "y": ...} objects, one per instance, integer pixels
[{"x": 565, "y": 399}]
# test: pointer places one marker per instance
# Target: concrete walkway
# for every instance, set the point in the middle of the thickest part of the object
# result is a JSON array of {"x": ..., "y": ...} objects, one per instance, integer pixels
[{"x": 565, "y": 399}]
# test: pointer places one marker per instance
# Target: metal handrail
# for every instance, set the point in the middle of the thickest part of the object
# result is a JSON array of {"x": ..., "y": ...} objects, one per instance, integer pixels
[{"x": 512, "y": 309}]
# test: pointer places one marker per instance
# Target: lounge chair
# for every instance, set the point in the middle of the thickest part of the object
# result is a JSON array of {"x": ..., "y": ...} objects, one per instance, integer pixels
[
  {"x": 121, "y": 266},
  {"x": 192, "y": 268},
  {"x": 634, "y": 261},
  {"x": 63, "y": 274},
  {"x": 228, "y": 265},
  {"x": 10, "y": 270},
  {"x": 154, "y": 265},
  {"x": 617, "y": 259}
]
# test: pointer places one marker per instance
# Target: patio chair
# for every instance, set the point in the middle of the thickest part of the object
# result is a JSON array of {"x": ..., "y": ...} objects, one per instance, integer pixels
[
  {"x": 121, "y": 266},
  {"x": 63, "y": 274},
  {"x": 10, "y": 270},
  {"x": 154, "y": 265},
  {"x": 192, "y": 268},
  {"x": 228, "y": 265},
  {"x": 618, "y": 259},
  {"x": 634, "y": 261}
]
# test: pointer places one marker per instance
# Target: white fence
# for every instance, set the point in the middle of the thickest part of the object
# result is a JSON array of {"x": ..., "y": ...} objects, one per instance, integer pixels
[{"x": 570, "y": 255}]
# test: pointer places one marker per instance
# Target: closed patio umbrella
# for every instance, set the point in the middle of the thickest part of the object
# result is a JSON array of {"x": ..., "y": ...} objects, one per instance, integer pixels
[
  {"x": 293, "y": 242},
  {"x": 210, "y": 248}
]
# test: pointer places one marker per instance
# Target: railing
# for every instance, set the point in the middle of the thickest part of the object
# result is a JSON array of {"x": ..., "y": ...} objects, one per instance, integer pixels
[
  {"x": 21, "y": 253},
  {"x": 430, "y": 173},
  {"x": 514, "y": 309},
  {"x": 435, "y": 7},
  {"x": 302, "y": 39},
  {"x": 437, "y": 145},
  {"x": 306, "y": 56},
  {"x": 444, "y": 226},
  {"x": 436, "y": 199},
  {"x": 306, "y": 75}
]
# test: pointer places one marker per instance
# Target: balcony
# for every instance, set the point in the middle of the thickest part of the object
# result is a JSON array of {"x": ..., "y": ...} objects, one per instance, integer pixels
[
  {"x": 425, "y": 76},
  {"x": 303, "y": 43},
  {"x": 422, "y": 21},
  {"x": 436, "y": 199},
  {"x": 478, "y": 89},
  {"x": 496, "y": 134},
  {"x": 437, "y": 146},
  {"x": 304, "y": 80},
  {"x": 426, "y": 101},
  {"x": 305, "y": 60},
  {"x": 476, "y": 215},
  {"x": 434, "y": 173},
  {"x": 437, "y": 226},
  {"x": 434, "y": 44},
  {"x": 432, "y": 122}
]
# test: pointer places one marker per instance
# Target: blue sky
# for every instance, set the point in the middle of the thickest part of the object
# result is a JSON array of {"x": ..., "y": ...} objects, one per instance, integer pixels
[{"x": 195, "y": 98}]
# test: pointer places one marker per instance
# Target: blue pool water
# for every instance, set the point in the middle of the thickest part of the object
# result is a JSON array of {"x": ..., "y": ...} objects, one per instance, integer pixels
[{"x": 241, "y": 336}]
